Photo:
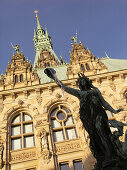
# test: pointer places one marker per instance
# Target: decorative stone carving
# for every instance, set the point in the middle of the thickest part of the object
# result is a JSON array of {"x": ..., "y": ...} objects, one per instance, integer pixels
[
  {"x": 46, "y": 155},
  {"x": 113, "y": 87},
  {"x": 23, "y": 156},
  {"x": 39, "y": 100},
  {"x": 58, "y": 95},
  {"x": 43, "y": 135},
  {"x": 20, "y": 102},
  {"x": 36, "y": 111},
  {"x": 13, "y": 95},
  {"x": 68, "y": 147}
]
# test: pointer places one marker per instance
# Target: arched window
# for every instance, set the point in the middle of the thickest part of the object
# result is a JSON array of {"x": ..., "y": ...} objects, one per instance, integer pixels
[
  {"x": 62, "y": 124},
  {"x": 21, "y": 78},
  {"x": 16, "y": 78},
  {"x": 87, "y": 66},
  {"x": 82, "y": 68},
  {"x": 22, "y": 133}
]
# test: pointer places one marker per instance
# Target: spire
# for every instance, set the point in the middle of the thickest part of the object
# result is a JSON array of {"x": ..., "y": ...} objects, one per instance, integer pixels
[
  {"x": 38, "y": 22},
  {"x": 46, "y": 32}
]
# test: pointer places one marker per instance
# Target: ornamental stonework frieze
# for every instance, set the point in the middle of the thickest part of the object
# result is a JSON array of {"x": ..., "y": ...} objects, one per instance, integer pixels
[
  {"x": 67, "y": 147},
  {"x": 21, "y": 156},
  {"x": 39, "y": 100}
]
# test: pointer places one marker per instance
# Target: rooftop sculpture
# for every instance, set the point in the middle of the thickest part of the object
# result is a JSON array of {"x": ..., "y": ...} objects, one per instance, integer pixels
[{"x": 106, "y": 147}]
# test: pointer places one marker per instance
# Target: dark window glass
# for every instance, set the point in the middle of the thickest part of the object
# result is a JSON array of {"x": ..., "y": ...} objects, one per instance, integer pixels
[
  {"x": 78, "y": 165},
  {"x": 82, "y": 68},
  {"x": 61, "y": 115},
  {"x": 87, "y": 67},
  {"x": 16, "y": 79},
  {"x": 21, "y": 78},
  {"x": 64, "y": 166}
]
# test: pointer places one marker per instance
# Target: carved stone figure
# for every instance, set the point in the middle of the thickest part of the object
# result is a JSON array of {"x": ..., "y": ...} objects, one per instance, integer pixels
[
  {"x": 43, "y": 139},
  {"x": 95, "y": 121},
  {"x": 16, "y": 47}
]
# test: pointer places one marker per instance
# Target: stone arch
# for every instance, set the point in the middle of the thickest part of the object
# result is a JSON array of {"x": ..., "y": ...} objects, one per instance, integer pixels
[
  {"x": 26, "y": 108},
  {"x": 68, "y": 102}
]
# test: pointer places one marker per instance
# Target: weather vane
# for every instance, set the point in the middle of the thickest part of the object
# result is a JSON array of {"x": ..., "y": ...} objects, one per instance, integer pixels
[
  {"x": 36, "y": 12},
  {"x": 16, "y": 47}
]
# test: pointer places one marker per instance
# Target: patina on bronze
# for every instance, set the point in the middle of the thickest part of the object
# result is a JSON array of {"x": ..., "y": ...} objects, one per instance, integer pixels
[{"x": 109, "y": 151}]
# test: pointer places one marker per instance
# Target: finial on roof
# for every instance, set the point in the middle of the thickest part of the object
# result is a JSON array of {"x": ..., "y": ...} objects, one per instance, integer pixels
[
  {"x": 36, "y": 12},
  {"x": 38, "y": 23},
  {"x": 74, "y": 38},
  {"x": 16, "y": 47},
  {"x": 107, "y": 55}
]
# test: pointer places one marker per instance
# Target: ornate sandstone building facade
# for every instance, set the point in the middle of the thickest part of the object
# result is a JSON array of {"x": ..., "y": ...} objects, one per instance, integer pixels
[{"x": 40, "y": 126}]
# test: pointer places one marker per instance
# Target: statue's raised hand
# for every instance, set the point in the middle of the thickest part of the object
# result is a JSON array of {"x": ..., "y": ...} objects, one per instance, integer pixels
[{"x": 51, "y": 73}]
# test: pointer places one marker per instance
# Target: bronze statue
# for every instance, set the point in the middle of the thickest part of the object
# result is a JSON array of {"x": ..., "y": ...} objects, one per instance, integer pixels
[{"x": 108, "y": 152}]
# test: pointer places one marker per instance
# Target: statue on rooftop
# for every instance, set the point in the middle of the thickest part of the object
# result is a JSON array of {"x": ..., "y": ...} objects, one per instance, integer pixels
[
  {"x": 110, "y": 153},
  {"x": 16, "y": 48}
]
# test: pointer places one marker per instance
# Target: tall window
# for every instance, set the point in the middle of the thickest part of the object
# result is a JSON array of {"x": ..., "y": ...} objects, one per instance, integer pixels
[
  {"x": 21, "y": 78},
  {"x": 16, "y": 78},
  {"x": 78, "y": 165},
  {"x": 87, "y": 66},
  {"x": 82, "y": 68},
  {"x": 22, "y": 134},
  {"x": 64, "y": 166},
  {"x": 62, "y": 124}
]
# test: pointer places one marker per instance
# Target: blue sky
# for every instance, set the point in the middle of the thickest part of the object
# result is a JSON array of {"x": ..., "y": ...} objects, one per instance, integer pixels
[{"x": 101, "y": 26}]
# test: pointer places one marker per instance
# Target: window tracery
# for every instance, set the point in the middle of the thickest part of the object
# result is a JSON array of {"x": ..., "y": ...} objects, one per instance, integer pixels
[
  {"x": 62, "y": 124},
  {"x": 22, "y": 133}
]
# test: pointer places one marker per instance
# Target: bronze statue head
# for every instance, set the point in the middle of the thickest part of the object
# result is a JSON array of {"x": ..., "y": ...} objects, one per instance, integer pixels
[{"x": 83, "y": 82}]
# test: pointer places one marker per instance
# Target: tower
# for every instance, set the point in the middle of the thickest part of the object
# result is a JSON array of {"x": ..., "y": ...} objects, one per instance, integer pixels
[{"x": 42, "y": 42}]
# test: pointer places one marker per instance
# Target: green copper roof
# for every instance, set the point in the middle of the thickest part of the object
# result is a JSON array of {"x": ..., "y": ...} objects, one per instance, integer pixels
[
  {"x": 114, "y": 64},
  {"x": 60, "y": 72}
]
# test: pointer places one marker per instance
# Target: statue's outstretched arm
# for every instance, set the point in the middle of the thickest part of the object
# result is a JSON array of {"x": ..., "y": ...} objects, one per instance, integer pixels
[
  {"x": 51, "y": 73},
  {"x": 105, "y": 104},
  {"x": 74, "y": 92}
]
